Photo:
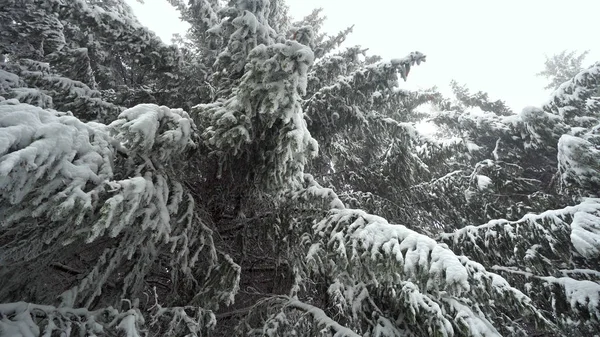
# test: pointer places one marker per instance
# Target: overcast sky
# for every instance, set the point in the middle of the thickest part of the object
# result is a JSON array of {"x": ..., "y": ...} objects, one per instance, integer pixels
[{"x": 494, "y": 46}]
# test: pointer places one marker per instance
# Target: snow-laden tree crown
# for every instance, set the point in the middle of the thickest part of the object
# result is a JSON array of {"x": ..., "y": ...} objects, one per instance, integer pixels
[{"x": 259, "y": 178}]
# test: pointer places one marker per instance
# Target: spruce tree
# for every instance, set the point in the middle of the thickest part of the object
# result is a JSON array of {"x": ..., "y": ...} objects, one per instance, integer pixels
[
  {"x": 552, "y": 161},
  {"x": 295, "y": 197},
  {"x": 561, "y": 67}
]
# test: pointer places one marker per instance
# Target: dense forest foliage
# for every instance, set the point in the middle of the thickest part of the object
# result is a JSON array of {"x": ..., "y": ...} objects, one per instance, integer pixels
[{"x": 257, "y": 177}]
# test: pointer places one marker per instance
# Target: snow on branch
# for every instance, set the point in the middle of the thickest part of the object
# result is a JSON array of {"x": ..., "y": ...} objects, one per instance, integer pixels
[
  {"x": 579, "y": 163},
  {"x": 314, "y": 189},
  {"x": 355, "y": 234},
  {"x": 366, "y": 248},
  {"x": 263, "y": 120},
  {"x": 58, "y": 188},
  {"x": 583, "y": 296},
  {"x": 27, "y": 319},
  {"x": 532, "y": 128},
  {"x": 31, "y": 96},
  {"x": 403, "y": 64},
  {"x": 121, "y": 29},
  {"x": 8, "y": 81},
  {"x": 532, "y": 246},
  {"x": 47, "y": 161},
  {"x": 550, "y": 228},
  {"x": 154, "y": 130},
  {"x": 322, "y": 319},
  {"x": 366, "y": 96},
  {"x": 60, "y": 92},
  {"x": 367, "y": 80},
  {"x": 575, "y": 99},
  {"x": 190, "y": 320},
  {"x": 293, "y": 317},
  {"x": 200, "y": 14},
  {"x": 244, "y": 25}
]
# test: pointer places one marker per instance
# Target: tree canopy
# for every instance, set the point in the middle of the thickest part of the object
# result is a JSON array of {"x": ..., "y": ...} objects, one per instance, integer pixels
[{"x": 259, "y": 178}]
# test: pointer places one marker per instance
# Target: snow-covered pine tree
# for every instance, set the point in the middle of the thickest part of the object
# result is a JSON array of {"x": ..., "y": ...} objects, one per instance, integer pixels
[
  {"x": 137, "y": 225},
  {"x": 552, "y": 255},
  {"x": 508, "y": 162},
  {"x": 90, "y": 58},
  {"x": 361, "y": 121},
  {"x": 261, "y": 124},
  {"x": 91, "y": 212},
  {"x": 236, "y": 125},
  {"x": 552, "y": 252}
]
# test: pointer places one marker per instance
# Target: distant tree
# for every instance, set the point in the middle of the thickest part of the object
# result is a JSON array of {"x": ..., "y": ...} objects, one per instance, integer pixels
[{"x": 562, "y": 67}]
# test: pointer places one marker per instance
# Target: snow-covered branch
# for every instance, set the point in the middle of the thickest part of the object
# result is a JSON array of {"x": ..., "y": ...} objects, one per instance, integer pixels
[
  {"x": 524, "y": 234},
  {"x": 27, "y": 319},
  {"x": 322, "y": 319},
  {"x": 366, "y": 248},
  {"x": 575, "y": 99},
  {"x": 59, "y": 176}
]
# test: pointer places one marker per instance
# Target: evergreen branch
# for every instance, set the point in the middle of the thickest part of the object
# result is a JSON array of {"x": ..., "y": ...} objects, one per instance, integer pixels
[
  {"x": 353, "y": 240},
  {"x": 573, "y": 100},
  {"x": 322, "y": 319},
  {"x": 21, "y": 317},
  {"x": 579, "y": 293}
]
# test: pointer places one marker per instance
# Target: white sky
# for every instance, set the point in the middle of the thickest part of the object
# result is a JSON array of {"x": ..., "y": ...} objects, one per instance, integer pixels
[{"x": 494, "y": 46}]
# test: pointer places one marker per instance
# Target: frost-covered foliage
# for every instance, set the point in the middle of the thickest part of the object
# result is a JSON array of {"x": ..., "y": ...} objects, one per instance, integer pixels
[
  {"x": 101, "y": 204},
  {"x": 508, "y": 162},
  {"x": 546, "y": 162},
  {"x": 87, "y": 57},
  {"x": 479, "y": 100},
  {"x": 262, "y": 124},
  {"x": 579, "y": 164},
  {"x": 362, "y": 121},
  {"x": 21, "y": 319},
  {"x": 244, "y": 25},
  {"x": 355, "y": 274},
  {"x": 309, "y": 31},
  {"x": 297, "y": 198},
  {"x": 400, "y": 274},
  {"x": 576, "y": 100},
  {"x": 554, "y": 254}
]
